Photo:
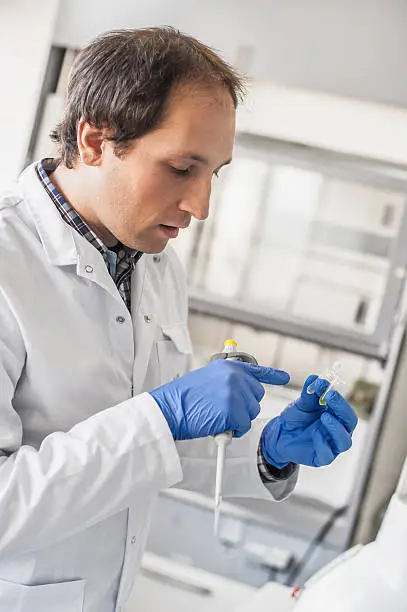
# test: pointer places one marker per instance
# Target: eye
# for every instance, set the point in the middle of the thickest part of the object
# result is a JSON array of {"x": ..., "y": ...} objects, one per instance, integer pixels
[{"x": 180, "y": 171}]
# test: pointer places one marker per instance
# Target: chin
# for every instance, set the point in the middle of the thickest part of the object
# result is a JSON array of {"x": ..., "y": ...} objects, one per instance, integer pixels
[
  {"x": 149, "y": 241},
  {"x": 150, "y": 247}
]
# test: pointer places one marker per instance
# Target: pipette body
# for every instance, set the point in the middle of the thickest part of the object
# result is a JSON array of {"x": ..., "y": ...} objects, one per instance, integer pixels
[{"x": 224, "y": 439}]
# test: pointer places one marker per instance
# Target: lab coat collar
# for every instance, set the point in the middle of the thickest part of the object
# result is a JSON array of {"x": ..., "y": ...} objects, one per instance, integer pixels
[{"x": 57, "y": 237}]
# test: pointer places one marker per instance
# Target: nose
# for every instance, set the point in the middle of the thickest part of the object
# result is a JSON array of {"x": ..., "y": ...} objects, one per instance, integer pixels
[{"x": 196, "y": 200}]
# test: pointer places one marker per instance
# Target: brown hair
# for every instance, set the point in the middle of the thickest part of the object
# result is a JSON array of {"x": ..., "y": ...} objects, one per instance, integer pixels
[{"x": 122, "y": 81}]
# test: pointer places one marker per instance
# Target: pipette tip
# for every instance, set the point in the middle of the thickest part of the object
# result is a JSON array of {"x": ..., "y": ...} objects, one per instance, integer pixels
[
  {"x": 218, "y": 499},
  {"x": 216, "y": 523}
]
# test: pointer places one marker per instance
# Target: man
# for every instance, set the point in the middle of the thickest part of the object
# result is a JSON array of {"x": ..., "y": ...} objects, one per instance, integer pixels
[{"x": 94, "y": 339}]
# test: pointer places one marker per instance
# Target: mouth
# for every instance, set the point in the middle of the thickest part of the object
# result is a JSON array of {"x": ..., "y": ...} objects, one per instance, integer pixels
[{"x": 171, "y": 231}]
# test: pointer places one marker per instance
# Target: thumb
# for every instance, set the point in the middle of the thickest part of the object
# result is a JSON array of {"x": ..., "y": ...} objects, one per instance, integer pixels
[
  {"x": 320, "y": 386},
  {"x": 310, "y": 379},
  {"x": 268, "y": 376}
]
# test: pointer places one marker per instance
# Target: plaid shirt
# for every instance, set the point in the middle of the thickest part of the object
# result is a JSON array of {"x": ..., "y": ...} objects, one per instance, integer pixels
[{"x": 121, "y": 261}]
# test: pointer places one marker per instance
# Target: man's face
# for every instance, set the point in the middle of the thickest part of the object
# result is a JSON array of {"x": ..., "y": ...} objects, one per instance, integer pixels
[{"x": 151, "y": 192}]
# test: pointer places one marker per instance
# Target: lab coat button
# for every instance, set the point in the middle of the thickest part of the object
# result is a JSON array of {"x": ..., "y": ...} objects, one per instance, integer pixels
[
  {"x": 133, "y": 540},
  {"x": 120, "y": 319},
  {"x": 89, "y": 269},
  {"x": 148, "y": 318},
  {"x": 156, "y": 259}
]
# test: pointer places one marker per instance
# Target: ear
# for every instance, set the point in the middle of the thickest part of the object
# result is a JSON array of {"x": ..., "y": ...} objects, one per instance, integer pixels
[{"x": 91, "y": 143}]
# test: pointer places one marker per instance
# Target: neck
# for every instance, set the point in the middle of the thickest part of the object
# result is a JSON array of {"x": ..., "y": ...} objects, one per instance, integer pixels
[{"x": 79, "y": 192}]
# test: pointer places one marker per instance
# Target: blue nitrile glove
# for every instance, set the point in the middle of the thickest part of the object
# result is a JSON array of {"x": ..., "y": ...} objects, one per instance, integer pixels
[
  {"x": 222, "y": 396},
  {"x": 307, "y": 433}
]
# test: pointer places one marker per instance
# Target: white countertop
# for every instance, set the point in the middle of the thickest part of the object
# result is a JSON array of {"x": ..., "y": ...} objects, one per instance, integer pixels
[{"x": 166, "y": 584}]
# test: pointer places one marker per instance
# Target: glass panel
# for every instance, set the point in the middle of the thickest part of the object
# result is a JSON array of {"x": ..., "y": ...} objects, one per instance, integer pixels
[
  {"x": 236, "y": 215},
  {"x": 298, "y": 241},
  {"x": 361, "y": 207}
]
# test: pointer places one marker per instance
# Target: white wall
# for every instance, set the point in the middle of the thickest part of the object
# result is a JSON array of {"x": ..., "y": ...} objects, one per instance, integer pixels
[
  {"x": 365, "y": 129},
  {"x": 355, "y": 48},
  {"x": 26, "y": 30}
]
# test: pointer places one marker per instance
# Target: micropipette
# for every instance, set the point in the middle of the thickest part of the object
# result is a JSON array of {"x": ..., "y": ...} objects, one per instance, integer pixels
[{"x": 223, "y": 439}]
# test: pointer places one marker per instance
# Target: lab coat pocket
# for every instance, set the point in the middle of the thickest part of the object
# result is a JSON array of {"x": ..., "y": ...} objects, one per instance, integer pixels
[
  {"x": 174, "y": 352},
  {"x": 56, "y": 597}
]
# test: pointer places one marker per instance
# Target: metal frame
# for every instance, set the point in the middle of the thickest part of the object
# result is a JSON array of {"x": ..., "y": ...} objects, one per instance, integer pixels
[
  {"x": 286, "y": 325},
  {"x": 332, "y": 163},
  {"x": 378, "y": 415}
]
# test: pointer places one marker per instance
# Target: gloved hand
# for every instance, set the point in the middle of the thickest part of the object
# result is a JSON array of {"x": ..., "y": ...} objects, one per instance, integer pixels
[
  {"x": 308, "y": 433},
  {"x": 222, "y": 396}
]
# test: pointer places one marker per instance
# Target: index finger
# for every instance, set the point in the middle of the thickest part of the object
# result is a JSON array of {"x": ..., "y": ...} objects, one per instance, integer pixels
[
  {"x": 342, "y": 409},
  {"x": 268, "y": 376},
  {"x": 254, "y": 385}
]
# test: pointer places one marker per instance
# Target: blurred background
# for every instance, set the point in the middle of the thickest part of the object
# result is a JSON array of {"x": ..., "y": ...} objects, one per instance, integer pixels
[{"x": 302, "y": 261}]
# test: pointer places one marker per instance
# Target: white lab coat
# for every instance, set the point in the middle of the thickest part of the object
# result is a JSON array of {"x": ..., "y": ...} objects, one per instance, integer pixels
[{"x": 85, "y": 449}]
